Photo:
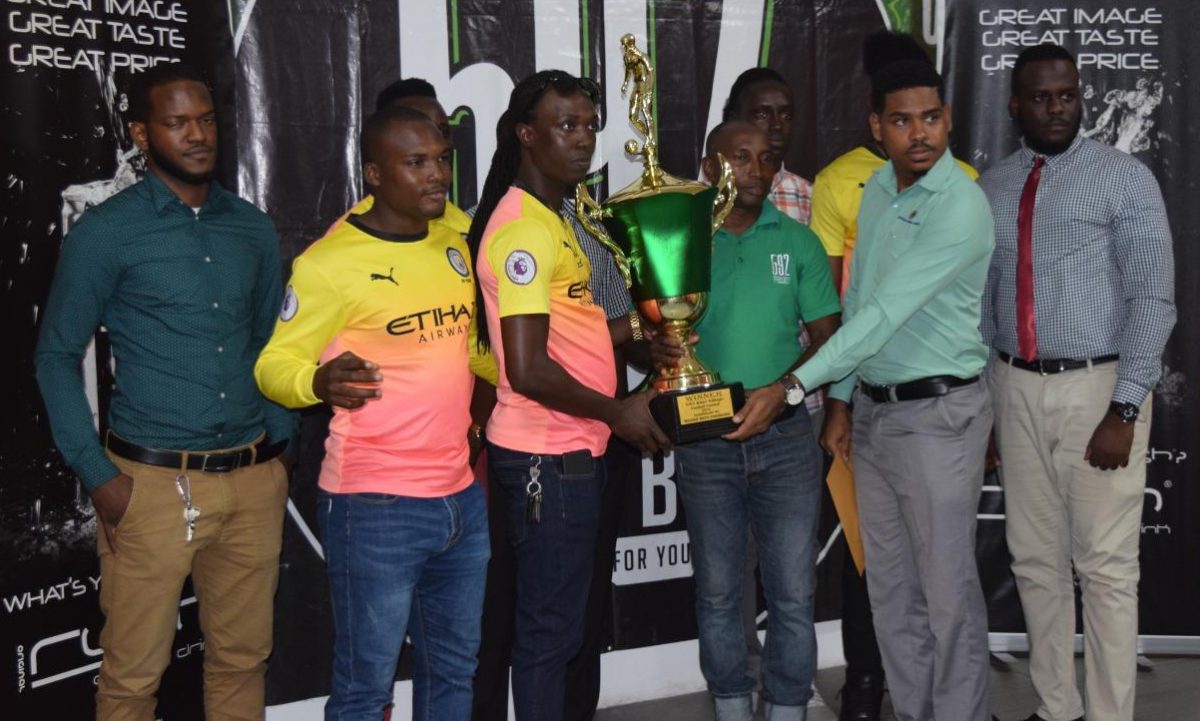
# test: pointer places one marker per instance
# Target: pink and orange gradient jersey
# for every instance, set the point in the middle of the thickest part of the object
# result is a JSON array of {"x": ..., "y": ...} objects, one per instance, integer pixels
[
  {"x": 532, "y": 264},
  {"x": 406, "y": 304}
]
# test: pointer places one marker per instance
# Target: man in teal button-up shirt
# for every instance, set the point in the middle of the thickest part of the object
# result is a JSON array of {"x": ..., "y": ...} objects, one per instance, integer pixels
[
  {"x": 186, "y": 277},
  {"x": 921, "y": 416}
]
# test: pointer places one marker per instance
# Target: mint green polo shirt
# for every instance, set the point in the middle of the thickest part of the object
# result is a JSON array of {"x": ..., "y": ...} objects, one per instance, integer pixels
[
  {"x": 764, "y": 282},
  {"x": 916, "y": 282}
]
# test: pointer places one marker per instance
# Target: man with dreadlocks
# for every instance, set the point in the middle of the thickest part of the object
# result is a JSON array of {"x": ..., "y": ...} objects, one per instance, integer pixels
[{"x": 555, "y": 407}]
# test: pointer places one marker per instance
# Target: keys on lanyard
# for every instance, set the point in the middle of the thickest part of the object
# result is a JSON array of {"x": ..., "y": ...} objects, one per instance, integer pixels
[
  {"x": 183, "y": 485},
  {"x": 533, "y": 494}
]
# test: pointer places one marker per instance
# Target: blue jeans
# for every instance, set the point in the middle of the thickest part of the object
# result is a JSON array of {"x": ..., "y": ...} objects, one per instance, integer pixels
[
  {"x": 554, "y": 560},
  {"x": 772, "y": 483},
  {"x": 399, "y": 563}
]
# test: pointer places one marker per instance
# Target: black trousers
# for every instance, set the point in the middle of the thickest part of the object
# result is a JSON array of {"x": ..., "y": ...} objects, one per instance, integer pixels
[
  {"x": 858, "y": 628},
  {"x": 583, "y": 673}
]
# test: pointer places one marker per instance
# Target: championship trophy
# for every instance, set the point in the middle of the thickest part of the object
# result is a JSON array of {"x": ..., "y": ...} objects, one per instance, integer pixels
[{"x": 659, "y": 230}]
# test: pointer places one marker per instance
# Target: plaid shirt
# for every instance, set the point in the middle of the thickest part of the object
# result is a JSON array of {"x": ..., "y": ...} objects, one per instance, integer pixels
[
  {"x": 1104, "y": 272},
  {"x": 608, "y": 287},
  {"x": 792, "y": 195}
]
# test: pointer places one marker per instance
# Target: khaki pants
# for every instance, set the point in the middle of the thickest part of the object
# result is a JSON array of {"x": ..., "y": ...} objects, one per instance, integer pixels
[
  {"x": 234, "y": 564},
  {"x": 1062, "y": 511}
]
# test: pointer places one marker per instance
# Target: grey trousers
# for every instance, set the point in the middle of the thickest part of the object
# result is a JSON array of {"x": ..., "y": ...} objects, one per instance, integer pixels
[{"x": 918, "y": 472}]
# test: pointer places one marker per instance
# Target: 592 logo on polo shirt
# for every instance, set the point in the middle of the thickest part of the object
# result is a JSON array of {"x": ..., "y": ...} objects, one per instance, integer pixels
[{"x": 781, "y": 268}]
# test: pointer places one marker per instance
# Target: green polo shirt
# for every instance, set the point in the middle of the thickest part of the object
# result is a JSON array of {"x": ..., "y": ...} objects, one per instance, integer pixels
[
  {"x": 916, "y": 281},
  {"x": 764, "y": 282},
  {"x": 189, "y": 299}
]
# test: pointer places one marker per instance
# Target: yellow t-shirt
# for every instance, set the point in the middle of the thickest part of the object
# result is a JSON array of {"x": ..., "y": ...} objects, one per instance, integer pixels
[
  {"x": 534, "y": 265},
  {"x": 405, "y": 304},
  {"x": 837, "y": 193}
]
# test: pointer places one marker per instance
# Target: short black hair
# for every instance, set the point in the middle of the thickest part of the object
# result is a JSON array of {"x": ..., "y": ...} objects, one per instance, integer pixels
[
  {"x": 1039, "y": 53},
  {"x": 141, "y": 84},
  {"x": 903, "y": 75},
  {"x": 404, "y": 88},
  {"x": 884, "y": 47},
  {"x": 373, "y": 129},
  {"x": 715, "y": 135},
  {"x": 743, "y": 83}
]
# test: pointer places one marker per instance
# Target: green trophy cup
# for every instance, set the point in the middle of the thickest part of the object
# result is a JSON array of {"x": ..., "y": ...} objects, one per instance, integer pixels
[{"x": 660, "y": 231}]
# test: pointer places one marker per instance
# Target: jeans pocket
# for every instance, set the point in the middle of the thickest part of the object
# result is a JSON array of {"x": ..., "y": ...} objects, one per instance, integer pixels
[{"x": 797, "y": 426}]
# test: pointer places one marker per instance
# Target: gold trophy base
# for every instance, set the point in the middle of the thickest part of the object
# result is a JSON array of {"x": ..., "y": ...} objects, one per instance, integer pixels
[{"x": 693, "y": 404}]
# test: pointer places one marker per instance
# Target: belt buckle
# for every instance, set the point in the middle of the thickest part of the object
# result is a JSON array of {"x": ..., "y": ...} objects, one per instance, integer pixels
[
  {"x": 891, "y": 394},
  {"x": 227, "y": 467},
  {"x": 204, "y": 465}
]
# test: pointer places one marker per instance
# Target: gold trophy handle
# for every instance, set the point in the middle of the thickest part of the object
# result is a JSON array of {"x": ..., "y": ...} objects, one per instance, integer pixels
[
  {"x": 726, "y": 194},
  {"x": 589, "y": 213}
]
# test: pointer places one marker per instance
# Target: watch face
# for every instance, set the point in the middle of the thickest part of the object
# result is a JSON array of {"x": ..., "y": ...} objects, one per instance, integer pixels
[
  {"x": 1125, "y": 411},
  {"x": 795, "y": 395}
]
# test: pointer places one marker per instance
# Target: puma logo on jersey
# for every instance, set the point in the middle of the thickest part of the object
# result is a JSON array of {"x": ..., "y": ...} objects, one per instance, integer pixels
[{"x": 388, "y": 277}]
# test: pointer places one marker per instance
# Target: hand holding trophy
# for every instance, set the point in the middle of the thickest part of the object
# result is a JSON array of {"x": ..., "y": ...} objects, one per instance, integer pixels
[{"x": 660, "y": 231}]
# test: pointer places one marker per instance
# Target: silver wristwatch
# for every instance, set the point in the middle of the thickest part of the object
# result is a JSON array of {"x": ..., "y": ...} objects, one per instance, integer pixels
[{"x": 793, "y": 390}]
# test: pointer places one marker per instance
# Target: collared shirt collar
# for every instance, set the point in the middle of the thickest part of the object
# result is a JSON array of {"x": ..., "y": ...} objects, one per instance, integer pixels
[
  {"x": 161, "y": 196},
  {"x": 782, "y": 176},
  {"x": 1027, "y": 154},
  {"x": 768, "y": 216},
  {"x": 934, "y": 181}
]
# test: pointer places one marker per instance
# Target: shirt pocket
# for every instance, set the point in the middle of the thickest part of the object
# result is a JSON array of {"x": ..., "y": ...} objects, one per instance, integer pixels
[
  {"x": 902, "y": 232},
  {"x": 169, "y": 277}
]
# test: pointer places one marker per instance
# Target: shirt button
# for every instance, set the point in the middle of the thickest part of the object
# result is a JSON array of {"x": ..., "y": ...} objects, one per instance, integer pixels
[
  {"x": 222, "y": 395},
  {"x": 220, "y": 349},
  {"x": 207, "y": 259},
  {"x": 220, "y": 435},
  {"x": 216, "y": 304}
]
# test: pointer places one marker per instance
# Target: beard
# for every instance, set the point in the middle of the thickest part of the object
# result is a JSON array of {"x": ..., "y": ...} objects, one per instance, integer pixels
[
  {"x": 1042, "y": 147},
  {"x": 171, "y": 168}
]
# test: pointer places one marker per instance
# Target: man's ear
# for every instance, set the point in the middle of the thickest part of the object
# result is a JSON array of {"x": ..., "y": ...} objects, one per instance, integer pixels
[
  {"x": 949, "y": 111},
  {"x": 525, "y": 135},
  {"x": 876, "y": 129},
  {"x": 371, "y": 174},
  {"x": 709, "y": 167},
  {"x": 137, "y": 131},
  {"x": 1012, "y": 107}
]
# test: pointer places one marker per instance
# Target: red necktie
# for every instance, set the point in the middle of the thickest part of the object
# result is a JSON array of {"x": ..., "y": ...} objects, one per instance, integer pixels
[{"x": 1026, "y": 324}]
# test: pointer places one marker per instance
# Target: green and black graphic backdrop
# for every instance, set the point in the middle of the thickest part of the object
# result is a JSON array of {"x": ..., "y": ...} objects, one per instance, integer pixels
[{"x": 292, "y": 80}]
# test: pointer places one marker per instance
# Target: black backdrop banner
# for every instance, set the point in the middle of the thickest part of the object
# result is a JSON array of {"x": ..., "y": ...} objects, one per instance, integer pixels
[
  {"x": 1137, "y": 64},
  {"x": 292, "y": 80}
]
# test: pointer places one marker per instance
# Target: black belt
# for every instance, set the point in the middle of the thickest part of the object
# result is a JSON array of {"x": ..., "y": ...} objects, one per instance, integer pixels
[
  {"x": 931, "y": 387},
  {"x": 1050, "y": 366},
  {"x": 222, "y": 462}
]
